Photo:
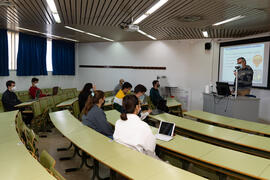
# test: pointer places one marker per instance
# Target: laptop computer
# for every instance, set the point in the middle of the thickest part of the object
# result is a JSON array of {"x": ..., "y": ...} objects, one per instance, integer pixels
[
  {"x": 223, "y": 88},
  {"x": 165, "y": 131}
]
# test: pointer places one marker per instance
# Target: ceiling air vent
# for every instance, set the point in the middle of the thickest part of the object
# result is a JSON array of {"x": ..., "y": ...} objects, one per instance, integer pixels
[{"x": 189, "y": 18}]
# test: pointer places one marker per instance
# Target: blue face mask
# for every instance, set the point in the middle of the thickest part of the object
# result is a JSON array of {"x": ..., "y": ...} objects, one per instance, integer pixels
[
  {"x": 141, "y": 98},
  {"x": 240, "y": 65}
]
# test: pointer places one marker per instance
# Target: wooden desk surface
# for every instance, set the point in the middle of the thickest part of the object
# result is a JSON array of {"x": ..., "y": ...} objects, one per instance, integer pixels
[
  {"x": 68, "y": 102},
  {"x": 24, "y": 104},
  {"x": 120, "y": 158},
  {"x": 172, "y": 102},
  {"x": 230, "y": 122},
  {"x": 231, "y": 160},
  {"x": 15, "y": 160},
  {"x": 236, "y": 137}
]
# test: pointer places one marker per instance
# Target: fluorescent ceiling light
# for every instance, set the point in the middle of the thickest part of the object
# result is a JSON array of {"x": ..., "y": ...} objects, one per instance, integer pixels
[
  {"x": 150, "y": 11},
  {"x": 48, "y": 35},
  {"x": 53, "y": 8},
  {"x": 147, "y": 35},
  {"x": 205, "y": 34},
  {"x": 90, "y": 34},
  {"x": 57, "y": 18},
  {"x": 229, "y": 20}
]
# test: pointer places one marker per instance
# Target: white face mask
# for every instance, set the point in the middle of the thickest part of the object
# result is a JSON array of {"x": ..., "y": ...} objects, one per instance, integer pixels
[
  {"x": 13, "y": 88},
  {"x": 36, "y": 84}
]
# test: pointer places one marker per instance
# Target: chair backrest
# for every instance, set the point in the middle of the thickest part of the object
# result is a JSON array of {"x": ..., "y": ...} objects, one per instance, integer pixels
[
  {"x": 57, "y": 99},
  {"x": 20, "y": 127},
  {"x": 43, "y": 104},
  {"x": 36, "y": 109},
  {"x": 55, "y": 90},
  {"x": 31, "y": 141},
  {"x": 76, "y": 109},
  {"x": 46, "y": 160},
  {"x": 56, "y": 174},
  {"x": 50, "y": 102}
]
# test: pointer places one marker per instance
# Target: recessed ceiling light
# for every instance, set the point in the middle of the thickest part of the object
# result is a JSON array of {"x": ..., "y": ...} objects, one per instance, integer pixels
[
  {"x": 150, "y": 11},
  {"x": 90, "y": 34},
  {"x": 205, "y": 34},
  {"x": 48, "y": 35},
  {"x": 147, "y": 35},
  {"x": 229, "y": 20}
]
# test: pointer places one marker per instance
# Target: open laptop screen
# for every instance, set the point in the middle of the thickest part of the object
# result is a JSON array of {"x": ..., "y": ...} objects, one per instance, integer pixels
[{"x": 166, "y": 128}]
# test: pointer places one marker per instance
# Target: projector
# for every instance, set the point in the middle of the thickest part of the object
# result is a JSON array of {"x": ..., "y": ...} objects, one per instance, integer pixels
[{"x": 130, "y": 27}]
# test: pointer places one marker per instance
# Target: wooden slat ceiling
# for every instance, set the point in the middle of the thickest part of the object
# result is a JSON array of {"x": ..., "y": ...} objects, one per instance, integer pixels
[{"x": 103, "y": 17}]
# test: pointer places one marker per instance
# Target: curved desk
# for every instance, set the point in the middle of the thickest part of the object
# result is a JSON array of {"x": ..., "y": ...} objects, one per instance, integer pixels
[
  {"x": 217, "y": 158},
  {"x": 15, "y": 160},
  {"x": 119, "y": 158},
  {"x": 233, "y": 123},
  {"x": 241, "y": 141}
]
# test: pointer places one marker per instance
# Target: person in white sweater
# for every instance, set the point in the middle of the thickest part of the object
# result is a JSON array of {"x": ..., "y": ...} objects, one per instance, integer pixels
[{"x": 131, "y": 131}]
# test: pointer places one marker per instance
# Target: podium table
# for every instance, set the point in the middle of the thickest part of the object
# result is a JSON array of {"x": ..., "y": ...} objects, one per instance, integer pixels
[{"x": 245, "y": 108}]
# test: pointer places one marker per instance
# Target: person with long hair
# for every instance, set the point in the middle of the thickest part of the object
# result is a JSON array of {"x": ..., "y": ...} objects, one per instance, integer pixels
[
  {"x": 131, "y": 131},
  {"x": 93, "y": 115},
  {"x": 83, "y": 96}
]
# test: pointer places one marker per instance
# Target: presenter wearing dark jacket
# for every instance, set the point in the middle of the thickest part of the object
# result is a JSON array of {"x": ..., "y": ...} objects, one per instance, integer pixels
[
  {"x": 93, "y": 115},
  {"x": 9, "y": 98}
]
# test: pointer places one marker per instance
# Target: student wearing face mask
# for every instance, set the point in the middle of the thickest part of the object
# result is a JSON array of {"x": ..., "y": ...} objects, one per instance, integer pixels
[
  {"x": 87, "y": 90},
  {"x": 34, "y": 88},
  {"x": 131, "y": 131},
  {"x": 245, "y": 77},
  {"x": 139, "y": 92},
  {"x": 156, "y": 99},
  {"x": 9, "y": 98},
  {"x": 93, "y": 115}
]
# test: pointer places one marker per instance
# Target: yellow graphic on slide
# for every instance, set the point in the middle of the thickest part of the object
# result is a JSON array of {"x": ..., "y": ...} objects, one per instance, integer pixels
[
  {"x": 257, "y": 76},
  {"x": 257, "y": 60}
]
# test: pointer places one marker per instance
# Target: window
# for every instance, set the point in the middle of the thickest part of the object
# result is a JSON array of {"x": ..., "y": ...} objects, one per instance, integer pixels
[
  {"x": 13, "y": 46},
  {"x": 13, "y": 43},
  {"x": 49, "y": 55}
]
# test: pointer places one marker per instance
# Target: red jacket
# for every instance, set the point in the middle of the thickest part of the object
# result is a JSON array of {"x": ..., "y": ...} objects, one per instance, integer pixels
[{"x": 33, "y": 91}]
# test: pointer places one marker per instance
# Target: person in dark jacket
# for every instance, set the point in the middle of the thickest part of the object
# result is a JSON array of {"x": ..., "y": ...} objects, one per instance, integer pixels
[
  {"x": 83, "y": 96},
  {"x": 156, "y": 99},
  {"x": 9, "y": 98},
  {"x": 94, "y": 116}
]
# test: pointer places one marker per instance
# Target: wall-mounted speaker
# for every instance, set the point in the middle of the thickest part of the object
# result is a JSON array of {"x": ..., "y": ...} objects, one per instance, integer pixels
[{"x": 207, "y": 46}]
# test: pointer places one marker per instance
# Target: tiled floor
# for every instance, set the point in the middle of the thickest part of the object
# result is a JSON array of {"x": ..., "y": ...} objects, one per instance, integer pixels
[{"x": 55, "y": 140}]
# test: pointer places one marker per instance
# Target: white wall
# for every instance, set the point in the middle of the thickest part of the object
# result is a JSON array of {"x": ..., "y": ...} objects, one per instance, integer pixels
[
  {"x": 188, "y": 66},
  {"x": 24, "y": 82}
]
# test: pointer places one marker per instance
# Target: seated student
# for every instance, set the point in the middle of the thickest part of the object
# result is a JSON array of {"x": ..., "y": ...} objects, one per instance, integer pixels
[
  {"x": 9, "y": 98},
  {"x": 33, "y": 89},
  {"x": 93, "y": 115},
  {"x": 131, "y": 131},
  {"x": 117, "y": 102},
  {"x": 83, "y": 96},
  {"x": 139, "y": 92},
  {"x": 118, "y": 86},
  {"x": 156, "y": 99}
]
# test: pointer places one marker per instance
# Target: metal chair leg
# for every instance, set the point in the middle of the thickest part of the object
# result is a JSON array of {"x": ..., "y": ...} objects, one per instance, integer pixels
[
  {"x": 83, "y": 162},
  {"x": 96, "y": 172},
  {"x": 73, "y": 155}
]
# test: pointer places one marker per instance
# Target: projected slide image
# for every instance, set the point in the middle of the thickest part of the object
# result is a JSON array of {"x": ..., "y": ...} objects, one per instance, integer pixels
[{"x": 254, "y": 55}]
